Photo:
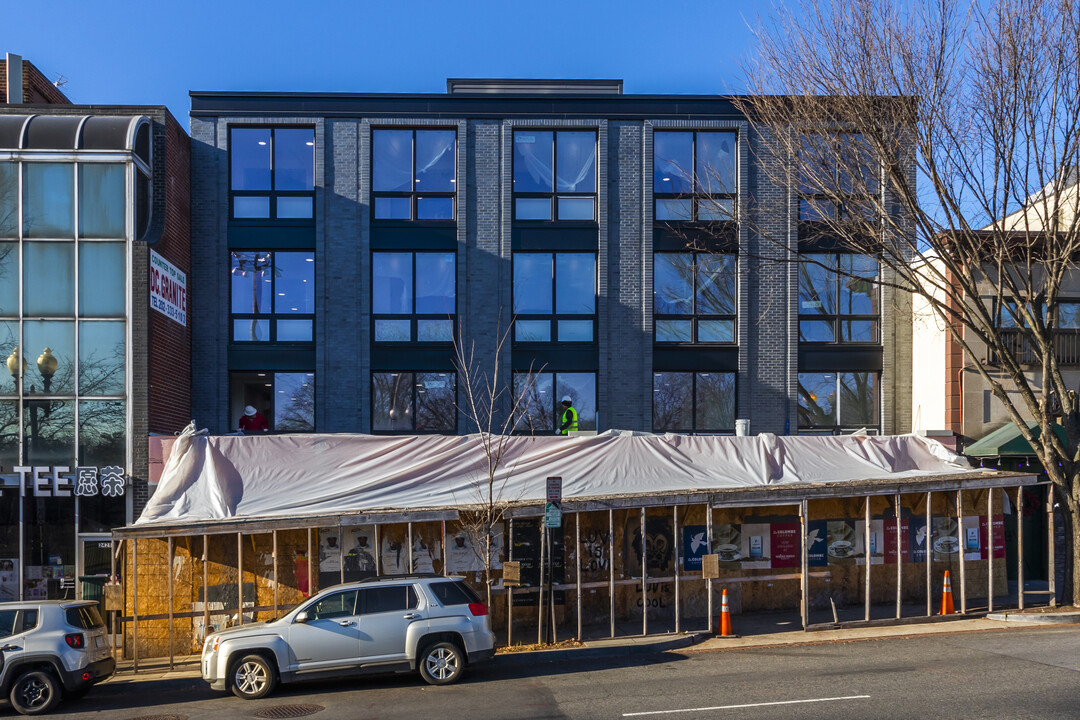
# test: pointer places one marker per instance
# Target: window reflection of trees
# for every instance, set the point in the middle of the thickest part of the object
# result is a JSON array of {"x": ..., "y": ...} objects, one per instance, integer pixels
[
  {"x": 294, "y": 409},
  {"x": 695, "y": 287}
]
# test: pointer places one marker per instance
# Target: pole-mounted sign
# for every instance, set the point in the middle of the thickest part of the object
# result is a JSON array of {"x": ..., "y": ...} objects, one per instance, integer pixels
[{"x": 553, "y": 507}]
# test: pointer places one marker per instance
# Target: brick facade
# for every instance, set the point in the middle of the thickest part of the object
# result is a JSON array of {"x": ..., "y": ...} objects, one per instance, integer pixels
[{"x": 37, "y": 90}]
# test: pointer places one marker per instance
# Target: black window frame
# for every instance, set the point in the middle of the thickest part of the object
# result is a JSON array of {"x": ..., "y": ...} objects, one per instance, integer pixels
[
  {"x": 555, "y": 194},
  {"x": 835, "y": 200},
  {"x": 273, "y": 193},
  {"x": 839, "y": 428},
  {"x": 414, "y": 194},
  {"x": 837, "y": 318},
  {"x": 271, "y": 417},
  {"x": 273, "y": 316},
  {"x": 554, "y": 317},
  {"x": 695, "y": 317},
  {"x": 698, "y": 198},
  {"x": 413, "y": 317},
  {"x": 694, "y": 402},
  {"x": 520, "y": 421},
  {"x": 413, "y": 400}
]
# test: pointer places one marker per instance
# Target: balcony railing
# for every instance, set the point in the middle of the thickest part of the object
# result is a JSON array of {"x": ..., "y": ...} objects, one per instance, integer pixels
[{"x": 1022, "y": 347}]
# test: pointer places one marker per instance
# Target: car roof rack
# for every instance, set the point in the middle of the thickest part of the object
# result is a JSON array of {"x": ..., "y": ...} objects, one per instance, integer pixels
[{"x": 403, "y": 576}]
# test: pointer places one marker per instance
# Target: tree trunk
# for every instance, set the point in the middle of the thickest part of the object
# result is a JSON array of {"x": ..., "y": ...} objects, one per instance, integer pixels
[{"x": 1070, "y": 584}]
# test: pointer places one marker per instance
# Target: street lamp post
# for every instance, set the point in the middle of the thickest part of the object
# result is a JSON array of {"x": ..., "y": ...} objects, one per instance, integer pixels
[{"x": 46, "y": 365}]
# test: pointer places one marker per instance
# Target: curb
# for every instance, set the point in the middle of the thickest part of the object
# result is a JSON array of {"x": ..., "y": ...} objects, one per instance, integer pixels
[
  {"x": 594, "y": 653},
  {"x": 1042, "y": 618}
]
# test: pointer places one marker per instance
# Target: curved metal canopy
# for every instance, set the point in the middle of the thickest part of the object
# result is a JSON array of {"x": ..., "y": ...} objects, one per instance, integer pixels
[{"x": 75, "y": 132}]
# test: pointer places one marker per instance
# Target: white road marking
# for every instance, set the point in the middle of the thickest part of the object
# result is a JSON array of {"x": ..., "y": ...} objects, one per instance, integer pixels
[{"x": 748, "y": 705}]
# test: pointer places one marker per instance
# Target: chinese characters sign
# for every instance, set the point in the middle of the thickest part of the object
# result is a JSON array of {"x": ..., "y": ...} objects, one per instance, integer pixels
[{"x": 60, "y": 481}]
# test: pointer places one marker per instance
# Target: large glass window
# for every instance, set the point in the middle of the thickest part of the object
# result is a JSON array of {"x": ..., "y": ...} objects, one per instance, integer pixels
[
  {"x": 48, "y": 200},
  {"x": 555, "y": 175},
  {"x": 406, "y": 402},
  {"x": 413, "y": 174},
  {"x": 9, "y": 200},
  {"x": 48, "y": 279},
  {"x": 554, "y": 297},
  {"x": 101, "y": 200},
  {"x": 839, "y": 299},
  {"x": 272, "y": 173},
  {"x": 413, "y": 296},
  {"x": 695, "y": 175},
  {"x": 283, "y": 401},
  {"x": 686, "y": 402},
  {"x": 837, "y": 178},
  {"x": 273, "y": 296},
  {"x": 694, "y": 298},
  {"x": 540, "y": 397},
  {"x": 839, "y": 402}
]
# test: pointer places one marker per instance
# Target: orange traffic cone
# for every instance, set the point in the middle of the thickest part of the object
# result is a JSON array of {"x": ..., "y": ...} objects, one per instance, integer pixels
[
  {"x": 946, "y": 597},
  {"x": 725, "y": 616}
]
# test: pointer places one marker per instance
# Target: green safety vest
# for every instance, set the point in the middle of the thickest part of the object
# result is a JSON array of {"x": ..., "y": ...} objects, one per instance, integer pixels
[{"x": 571, "y": 415}]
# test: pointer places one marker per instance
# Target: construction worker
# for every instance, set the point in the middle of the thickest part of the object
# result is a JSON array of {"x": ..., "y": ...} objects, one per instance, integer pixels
[{"x": 568, "y": 419}]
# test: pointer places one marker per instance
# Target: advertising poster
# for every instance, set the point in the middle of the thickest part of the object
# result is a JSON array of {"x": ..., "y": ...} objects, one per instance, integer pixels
[
  {"x": 359, "y": 544},
  {"x": 329, "y": 552},
  {"x": 728, "y": 544},
  {"x": 395, "y": 554},
  {"x": 785, "y": 545},
  {"x": 844, "y": 543},
  {"x": 889, "y": 554},
  {"x": 875, "y": 544},
  {"x": 817, "y": 535},
  {"x": 972, "y": 538},
  {"x": 946, "y": 539},
  {"x": 999, "y": 537},
  {"x": 694, "y": 546},
  {"x": 919, "y": 539},
  {"x": 426, "y": 552},
  {"x": 9, "y": 579},
  {"x": 756, "y": 546}
]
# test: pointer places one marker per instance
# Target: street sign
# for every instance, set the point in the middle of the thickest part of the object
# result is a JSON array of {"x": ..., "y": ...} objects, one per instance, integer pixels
[
  {"x": 553, "y": 515},
  {"x": 554, "y": 489}
]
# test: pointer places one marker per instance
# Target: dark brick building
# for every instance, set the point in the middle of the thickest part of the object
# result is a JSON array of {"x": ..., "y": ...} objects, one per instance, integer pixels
[{"x": 342, "y": 241}]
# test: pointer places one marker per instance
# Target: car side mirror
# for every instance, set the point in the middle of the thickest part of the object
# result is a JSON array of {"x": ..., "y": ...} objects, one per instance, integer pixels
[{"x": 301, "y": 617}]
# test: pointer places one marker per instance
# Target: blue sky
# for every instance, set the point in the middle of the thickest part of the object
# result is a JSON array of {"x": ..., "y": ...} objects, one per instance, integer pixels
[{"x": 116, "y": 51}]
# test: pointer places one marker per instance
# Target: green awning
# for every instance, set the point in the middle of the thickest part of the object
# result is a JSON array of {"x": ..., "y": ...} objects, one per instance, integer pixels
[{"x": 1007, "y": 441}]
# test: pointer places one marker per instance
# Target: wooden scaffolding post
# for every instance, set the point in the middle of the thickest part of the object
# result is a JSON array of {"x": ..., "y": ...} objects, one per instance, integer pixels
[
  {"x": 540, "y": 603},
  {"x": 341, "y": 552},
  {"x": 205, "y": 585},
  {"x": 239, "y": 578},
  {"x": 410, "y": 541},
  {"x": 644, "y": 580},
  {"x": 990, "y": 550},
  {"x": 708, "y": 581},
  {"x": 509, "y": 590},
  {"x": 378, "y": 550},
  {"x": 611, "y": 568},
  {"x": 169, "y": 570},
  {"x": 899, "y": 557},
  {"x": 445, "y": 552},
  {"x": 577, "y": 573},
  {"x": 929, "y": 557},
  {"x": 1020, "y": 545},
  {"x": 135, "y": 604},
  {"x": 274, "y": 558},
  {"x": 963, "y": 570},
  {"x": 804, "y": 567},
  {"x": 869, "y": 560},
  {"x": 311, "y": 561},
  {"x": 675, "y": 525}
]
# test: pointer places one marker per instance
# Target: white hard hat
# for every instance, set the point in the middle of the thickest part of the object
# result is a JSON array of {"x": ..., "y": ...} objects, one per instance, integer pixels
[
  {"x": 566, "y": 398},
  {"x": 249, "y": 411}
]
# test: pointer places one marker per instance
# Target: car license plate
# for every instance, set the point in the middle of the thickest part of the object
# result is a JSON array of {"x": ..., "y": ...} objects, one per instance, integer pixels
[{"x": 99, "y": 641}]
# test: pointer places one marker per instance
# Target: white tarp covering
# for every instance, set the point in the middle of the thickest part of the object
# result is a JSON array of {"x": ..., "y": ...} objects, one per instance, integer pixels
[{"x": 218, "y": 477}]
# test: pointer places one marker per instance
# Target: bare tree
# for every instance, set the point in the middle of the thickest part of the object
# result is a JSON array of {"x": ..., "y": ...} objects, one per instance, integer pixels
[
  {"x": 943, "y": 139},
  {"x": 494, "y": 409}
]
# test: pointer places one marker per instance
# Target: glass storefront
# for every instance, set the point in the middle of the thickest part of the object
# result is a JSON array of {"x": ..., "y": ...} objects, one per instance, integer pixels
[{"x": 64, "y": 272}]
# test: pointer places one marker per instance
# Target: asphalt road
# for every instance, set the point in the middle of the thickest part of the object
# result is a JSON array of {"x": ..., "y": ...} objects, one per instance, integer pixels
[{"x": 1014, "y": 673}]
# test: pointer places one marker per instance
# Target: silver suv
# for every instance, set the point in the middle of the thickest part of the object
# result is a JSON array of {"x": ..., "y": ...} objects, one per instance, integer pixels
[
  {"x": 50, "y": 648},
  {"x": 431, "y": 623}
]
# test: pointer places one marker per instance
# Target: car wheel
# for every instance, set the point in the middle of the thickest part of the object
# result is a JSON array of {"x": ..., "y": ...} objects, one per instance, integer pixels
[
  {"x": 252, "y": 677},
  {"x": 442, "y": 663},
  {"x": 35, "y": 692}
]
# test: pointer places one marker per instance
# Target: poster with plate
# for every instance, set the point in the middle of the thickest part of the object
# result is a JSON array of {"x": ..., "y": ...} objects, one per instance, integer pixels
[
  {"x": 728, "y": 545},
  {"x": 845, "y": 543},
  {"x": 945, "y": 540},
  {"x": 756, "y": 546}
]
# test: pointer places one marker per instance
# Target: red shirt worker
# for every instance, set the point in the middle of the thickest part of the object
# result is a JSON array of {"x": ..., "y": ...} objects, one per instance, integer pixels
[{"x": 253, "y": 421}]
